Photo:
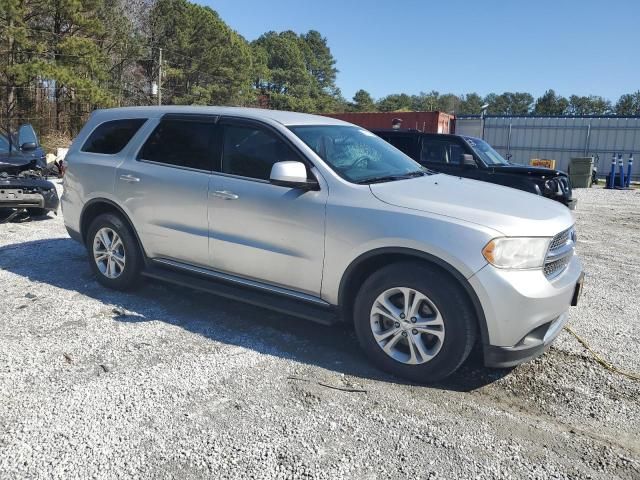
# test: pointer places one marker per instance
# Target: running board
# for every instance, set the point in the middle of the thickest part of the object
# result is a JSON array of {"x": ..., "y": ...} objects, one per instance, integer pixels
[{"x": 325, "y": 315}]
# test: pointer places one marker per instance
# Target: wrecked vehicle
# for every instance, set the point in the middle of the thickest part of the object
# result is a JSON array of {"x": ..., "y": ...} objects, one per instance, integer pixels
[{"x": 23, "y": 184}]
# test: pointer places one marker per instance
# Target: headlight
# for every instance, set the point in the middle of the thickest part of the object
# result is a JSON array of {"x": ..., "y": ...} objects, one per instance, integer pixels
[{"x": 516, "y": 252}]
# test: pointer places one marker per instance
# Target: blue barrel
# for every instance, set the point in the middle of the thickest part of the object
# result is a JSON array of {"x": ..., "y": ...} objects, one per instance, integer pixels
[
  {"x": 612, "y": 175},
  {"x": 621, "y": 166}
]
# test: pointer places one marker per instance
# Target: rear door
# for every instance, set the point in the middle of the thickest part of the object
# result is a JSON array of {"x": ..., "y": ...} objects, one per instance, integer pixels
[
  {"x": 258, "y": 230},
  {"x": 164, "y": 187}
]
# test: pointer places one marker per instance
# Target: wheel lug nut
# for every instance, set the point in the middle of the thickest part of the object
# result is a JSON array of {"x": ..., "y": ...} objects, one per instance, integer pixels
[
  {"x": 414, "y": 331},
  {"x": 404, "y": 334},
  {"x": 402, "y": 316},
  {"x": 397, "y": 324},
  {"x": 414, "y": 319}
]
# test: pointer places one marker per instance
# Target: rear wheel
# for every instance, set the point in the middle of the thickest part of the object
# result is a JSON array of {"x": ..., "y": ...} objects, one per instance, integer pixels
[
  {"x": 114, "y": 254},
  {"x": 414, "y": 321}
]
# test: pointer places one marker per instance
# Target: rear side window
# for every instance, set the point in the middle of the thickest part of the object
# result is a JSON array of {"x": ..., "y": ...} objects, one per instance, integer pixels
[
  {"x": 111, "y": 137},
  {"x": 404, "y": 144},
  {"x": 182, "y": 143}
]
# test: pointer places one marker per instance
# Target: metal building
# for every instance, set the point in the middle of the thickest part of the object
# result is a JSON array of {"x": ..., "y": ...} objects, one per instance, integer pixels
[{"x": 559, "y": 138}]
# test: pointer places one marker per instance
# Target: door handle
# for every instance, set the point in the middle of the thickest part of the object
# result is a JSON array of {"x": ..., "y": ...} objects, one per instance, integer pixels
[
  {"x": 129, "y": 178},
  {"x": 224, "y": 194}
]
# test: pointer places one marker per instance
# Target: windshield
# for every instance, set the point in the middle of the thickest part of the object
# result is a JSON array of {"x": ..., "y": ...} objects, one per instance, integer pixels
[
  {"x": 4, "y": 143},
  {"x": 358, "y": 155},
  {"x": 485, "y": 151}
]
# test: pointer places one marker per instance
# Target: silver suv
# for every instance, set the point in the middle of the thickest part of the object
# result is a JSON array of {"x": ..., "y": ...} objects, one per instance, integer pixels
[{"x": 322, "y": 219}]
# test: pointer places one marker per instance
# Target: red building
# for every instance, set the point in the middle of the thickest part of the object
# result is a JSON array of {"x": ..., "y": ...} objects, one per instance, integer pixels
[{"x": 430, "y": 122}]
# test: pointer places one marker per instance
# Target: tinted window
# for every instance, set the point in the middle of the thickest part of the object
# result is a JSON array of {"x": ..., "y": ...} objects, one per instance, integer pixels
[
  {"x": 434, "y": 151},
  {"x": 111, "y": 137},
  {"x": 456, "y": 153},
  {"x": 251, "y": 152},
  {"x": 404, "y": 144},
  {"x": 184, "y": 143},
  {"x": 4, "y": 144}
]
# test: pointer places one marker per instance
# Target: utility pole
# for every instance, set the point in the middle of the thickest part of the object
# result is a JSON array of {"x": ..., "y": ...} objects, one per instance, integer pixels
[{"x": 160, "y": 79}]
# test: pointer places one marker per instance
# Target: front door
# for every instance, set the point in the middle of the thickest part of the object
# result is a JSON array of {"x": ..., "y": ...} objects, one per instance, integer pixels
[{"x": 260, "y": 231}]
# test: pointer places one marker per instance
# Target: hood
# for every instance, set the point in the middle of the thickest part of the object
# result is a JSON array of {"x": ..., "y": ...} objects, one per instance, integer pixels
[
  {"x": 14, "y": 163},
  {"x": 507, "y": 210},
  {"x": 536, "y": 172}
]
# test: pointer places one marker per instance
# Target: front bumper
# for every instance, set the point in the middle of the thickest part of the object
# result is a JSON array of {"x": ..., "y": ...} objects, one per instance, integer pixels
[
  {"x": 524, "y": 310},
  {"x": 571, "y": 203},
  {"x": 532, "y": 345},
  {"x": 28, "y": 197}
]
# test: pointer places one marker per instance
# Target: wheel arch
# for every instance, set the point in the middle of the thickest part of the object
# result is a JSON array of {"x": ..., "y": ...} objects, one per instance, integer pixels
[
  {"x": 369, "y": 262},
  {"x": 98, "y": 206}
]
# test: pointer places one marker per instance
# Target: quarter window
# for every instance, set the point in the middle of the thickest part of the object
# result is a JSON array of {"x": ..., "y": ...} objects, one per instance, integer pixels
[
  {"x": 251, "y": 152},
  {"x": 111, "y": 137},
  {"x": 183, "y": 143}
]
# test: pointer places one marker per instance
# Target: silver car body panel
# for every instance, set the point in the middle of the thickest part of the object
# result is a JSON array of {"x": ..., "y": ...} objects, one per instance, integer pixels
[
  {"x": 266, "y": 232},
  {"x": 511, "y": 213},
  {"x": 305, "y": 241}
]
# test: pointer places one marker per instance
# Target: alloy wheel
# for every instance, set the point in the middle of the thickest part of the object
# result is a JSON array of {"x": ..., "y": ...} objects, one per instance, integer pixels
[
  {"x": 407, "y": 325},
  {"x": 109, "y": 253}
]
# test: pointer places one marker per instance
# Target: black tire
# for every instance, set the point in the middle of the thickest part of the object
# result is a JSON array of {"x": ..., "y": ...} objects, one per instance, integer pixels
[
  {"x": 37, "y": 212},
  {"x": 460, "y": 323},
  {"x": 130, "y": 274}
]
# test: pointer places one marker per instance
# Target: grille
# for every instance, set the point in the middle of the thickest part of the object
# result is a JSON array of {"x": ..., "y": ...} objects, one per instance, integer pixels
[
  {"x": 556, "y": 267},
  {"x": 560, "y": 253},
  {"x": 560, "y": 239}
]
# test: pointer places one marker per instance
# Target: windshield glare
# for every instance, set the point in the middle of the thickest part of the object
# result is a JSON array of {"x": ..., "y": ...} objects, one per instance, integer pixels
[
  {"x": 485, "y": 151},
  {"x": 356, "y": 154}
]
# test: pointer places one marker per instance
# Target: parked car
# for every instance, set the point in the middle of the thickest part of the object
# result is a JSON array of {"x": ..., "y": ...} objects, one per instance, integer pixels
[
  {"x": 471, "y": 157},
  {"x": 323, "y": 220},
  {"x": 22, "y": 183}
]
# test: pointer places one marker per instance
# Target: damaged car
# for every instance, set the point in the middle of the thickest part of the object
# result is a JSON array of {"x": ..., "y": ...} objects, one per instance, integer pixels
[{"x": 24, "y": 188}]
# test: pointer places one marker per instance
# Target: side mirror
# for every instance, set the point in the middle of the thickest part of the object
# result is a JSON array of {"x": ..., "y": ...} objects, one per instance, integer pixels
[
  {"x": 28, "y": 146},
  {"x": 291, "y": 174},
  {"x": 468, "y": 161}
]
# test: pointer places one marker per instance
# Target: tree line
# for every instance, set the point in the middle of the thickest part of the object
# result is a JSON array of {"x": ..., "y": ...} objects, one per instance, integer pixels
[
  {"x": 62, "y": 59},
  {"x": 507, "y": 103}
]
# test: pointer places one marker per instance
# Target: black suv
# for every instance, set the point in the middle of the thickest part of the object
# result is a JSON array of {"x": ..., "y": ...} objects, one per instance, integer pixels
[{"x": 474, "y": 158}]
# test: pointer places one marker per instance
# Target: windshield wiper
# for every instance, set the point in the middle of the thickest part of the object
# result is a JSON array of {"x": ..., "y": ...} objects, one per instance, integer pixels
[{"x": 391, "y": 178}]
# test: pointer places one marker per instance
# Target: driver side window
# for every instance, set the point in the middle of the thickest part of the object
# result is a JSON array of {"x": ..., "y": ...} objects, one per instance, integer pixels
[
  {"x": 250, "y": 151},
  {"x": 434, "y": 151}
]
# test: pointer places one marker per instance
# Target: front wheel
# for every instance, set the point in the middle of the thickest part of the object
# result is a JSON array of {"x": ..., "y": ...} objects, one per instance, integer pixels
[
  {"x": 114, "y": 254},
  {"x": 414, "y": 321}
]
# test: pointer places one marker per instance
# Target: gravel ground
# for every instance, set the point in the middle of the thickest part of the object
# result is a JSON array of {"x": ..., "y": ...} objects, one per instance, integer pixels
[{"x": 171, "y": 383}]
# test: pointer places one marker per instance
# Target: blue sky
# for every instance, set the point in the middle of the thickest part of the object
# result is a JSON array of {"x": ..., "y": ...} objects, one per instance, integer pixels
[{"x": 582, "y": 47}]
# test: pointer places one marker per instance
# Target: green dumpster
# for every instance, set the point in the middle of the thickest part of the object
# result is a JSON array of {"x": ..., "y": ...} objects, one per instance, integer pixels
[{"x": 580, "y": 172}]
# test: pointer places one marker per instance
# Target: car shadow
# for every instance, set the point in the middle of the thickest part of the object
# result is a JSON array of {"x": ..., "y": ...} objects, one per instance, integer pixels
[
  {"x": 5, "y": 213},
  {"x": 63, "y": 263}
]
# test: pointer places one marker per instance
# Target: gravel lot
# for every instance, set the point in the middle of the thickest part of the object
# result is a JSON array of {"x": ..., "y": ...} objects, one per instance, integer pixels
[{"x": 171, "y": 383}]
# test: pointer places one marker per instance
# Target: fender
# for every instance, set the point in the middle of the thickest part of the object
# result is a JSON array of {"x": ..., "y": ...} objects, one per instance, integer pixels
[
  {"x": 117, "y": 207},
  {"x": 475, "y": 301}
]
